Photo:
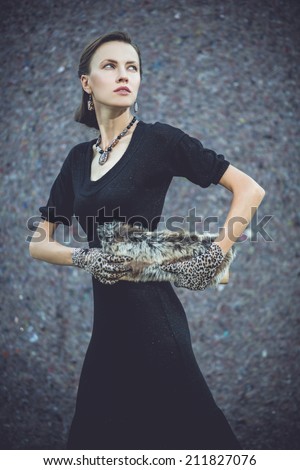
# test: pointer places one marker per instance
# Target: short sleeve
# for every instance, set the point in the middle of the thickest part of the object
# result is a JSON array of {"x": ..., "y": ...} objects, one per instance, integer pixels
[
  {"x": 200, "y": 165},
  {"x": 59, "y": 208}
]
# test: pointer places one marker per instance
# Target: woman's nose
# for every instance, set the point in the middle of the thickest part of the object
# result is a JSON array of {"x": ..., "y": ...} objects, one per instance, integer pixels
[{"x": 122, "y": 76}]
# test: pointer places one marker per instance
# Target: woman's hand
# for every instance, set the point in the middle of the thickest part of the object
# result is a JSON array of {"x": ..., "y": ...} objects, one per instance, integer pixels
[
  {"x": 196, "y": 273},
  {"x": 107, "y": 269}
]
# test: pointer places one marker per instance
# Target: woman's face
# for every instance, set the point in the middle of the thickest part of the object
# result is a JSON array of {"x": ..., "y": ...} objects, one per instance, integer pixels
[{"x": 114, "y": 77}]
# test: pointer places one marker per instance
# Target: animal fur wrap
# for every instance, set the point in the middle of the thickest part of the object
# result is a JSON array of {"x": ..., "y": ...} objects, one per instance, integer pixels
[{"x": 150, "y": 250}]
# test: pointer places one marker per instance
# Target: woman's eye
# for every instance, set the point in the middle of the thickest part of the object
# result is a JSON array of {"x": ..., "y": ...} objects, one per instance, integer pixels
[{"x": 112, "y": 66}]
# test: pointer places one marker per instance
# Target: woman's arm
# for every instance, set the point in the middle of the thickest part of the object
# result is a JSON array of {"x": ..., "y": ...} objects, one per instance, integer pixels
[
  {"x": 43, "y": 247},
  {"x": 247, "y": 196},
  {"x": 107, "y": 269}
]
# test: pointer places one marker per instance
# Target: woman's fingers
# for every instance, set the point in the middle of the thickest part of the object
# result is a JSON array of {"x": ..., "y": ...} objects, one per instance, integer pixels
[
  {"x": 116, "y": 268},
  {"x": 184, "y": 282},
  {"x": 174, "y": 267},
  {"x": 115, "y": 258},
  {"x": 111, "y": 278}
]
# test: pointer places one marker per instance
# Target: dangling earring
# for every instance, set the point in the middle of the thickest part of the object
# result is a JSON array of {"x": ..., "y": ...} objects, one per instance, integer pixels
[
  {"x": 90, "y": 103},
  {"x": 135, "y": 107}
]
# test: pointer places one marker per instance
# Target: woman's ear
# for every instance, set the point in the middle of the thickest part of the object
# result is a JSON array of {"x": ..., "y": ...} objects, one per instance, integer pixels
[{"x": 85, "y": 83}]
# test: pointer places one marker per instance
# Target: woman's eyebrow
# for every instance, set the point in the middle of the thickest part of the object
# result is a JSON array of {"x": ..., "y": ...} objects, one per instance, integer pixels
[{"x": 115, "y": 61}]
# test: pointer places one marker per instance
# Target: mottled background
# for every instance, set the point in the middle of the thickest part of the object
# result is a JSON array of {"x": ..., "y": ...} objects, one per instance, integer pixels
[{"x": 223, "y": 71}]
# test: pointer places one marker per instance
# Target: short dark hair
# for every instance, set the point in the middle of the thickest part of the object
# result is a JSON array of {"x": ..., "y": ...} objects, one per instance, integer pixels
[{"x": 82, "y": 114}]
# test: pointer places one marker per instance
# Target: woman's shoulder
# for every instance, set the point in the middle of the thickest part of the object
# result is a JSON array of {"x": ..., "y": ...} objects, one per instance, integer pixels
[
  {"x": 164, "y": 130},
  {"x": 79, "y": 150},
  {"x": 82, "y": 147}
]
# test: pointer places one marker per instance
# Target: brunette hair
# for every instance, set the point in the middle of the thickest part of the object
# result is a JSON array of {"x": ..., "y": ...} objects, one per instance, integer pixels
[{"x": 82, "y": 114}]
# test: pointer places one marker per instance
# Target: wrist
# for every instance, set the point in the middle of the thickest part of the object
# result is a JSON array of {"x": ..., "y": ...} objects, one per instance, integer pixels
[
  {"x": 222, "y": 249},
  {"x": 78, "y": 256}
]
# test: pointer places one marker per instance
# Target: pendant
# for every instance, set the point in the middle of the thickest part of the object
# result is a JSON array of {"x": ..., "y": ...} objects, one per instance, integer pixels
[
  {"x": 103, "y": 158},
  {"x": 104, "y": 154}
]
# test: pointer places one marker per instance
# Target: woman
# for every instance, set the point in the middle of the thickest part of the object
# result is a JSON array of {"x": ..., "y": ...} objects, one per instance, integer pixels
[{"x": 140, "y": 385}]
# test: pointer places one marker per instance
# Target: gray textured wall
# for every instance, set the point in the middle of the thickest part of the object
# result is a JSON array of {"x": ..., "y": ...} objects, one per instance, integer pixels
[{"x": 225, "y": 72}]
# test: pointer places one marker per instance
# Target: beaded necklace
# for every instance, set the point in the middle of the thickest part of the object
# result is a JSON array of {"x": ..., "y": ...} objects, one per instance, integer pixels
[{"x": 104, "y": 154}]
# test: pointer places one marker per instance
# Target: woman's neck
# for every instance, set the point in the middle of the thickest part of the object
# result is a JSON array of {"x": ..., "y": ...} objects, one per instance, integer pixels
[{"x": 112, "y": 124}]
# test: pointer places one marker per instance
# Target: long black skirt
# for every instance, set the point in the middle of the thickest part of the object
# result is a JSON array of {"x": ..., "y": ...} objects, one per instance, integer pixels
[{"x": 140, "y": 386}]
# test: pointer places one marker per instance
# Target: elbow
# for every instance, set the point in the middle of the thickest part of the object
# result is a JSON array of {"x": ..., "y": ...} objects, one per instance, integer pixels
[
  {"x": 34, "y": 250},
  {"x": 259, "y": 191},
  {"x": 257, "y": 194},
  {"x": 38, "y": 242}
]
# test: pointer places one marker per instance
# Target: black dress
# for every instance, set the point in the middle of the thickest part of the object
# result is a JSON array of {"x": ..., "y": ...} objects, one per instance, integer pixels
[{"x": 140, "y": 386}]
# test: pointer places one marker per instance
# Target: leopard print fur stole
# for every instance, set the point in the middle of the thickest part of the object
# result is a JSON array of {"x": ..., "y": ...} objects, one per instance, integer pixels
[{"x": 149, "y": 250}]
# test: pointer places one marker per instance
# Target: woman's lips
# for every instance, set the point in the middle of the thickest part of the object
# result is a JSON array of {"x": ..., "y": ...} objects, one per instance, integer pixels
[{"x": 122, "y": 91}]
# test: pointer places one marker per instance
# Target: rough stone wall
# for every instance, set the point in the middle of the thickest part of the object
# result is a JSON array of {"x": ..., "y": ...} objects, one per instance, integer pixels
[{"x": 226, "y": 73}]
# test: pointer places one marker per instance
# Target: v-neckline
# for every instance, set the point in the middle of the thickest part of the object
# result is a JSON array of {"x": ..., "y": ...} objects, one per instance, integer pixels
[{"x": 119, "y": 164}]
